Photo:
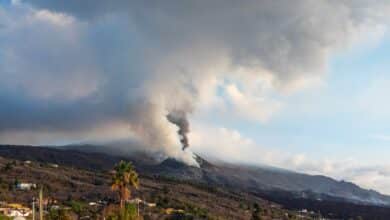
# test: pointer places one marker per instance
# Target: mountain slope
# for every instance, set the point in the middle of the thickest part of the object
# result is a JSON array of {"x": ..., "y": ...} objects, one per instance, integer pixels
[
  {"x": 260, "y": 179},
  {"x": 239, "y": 177},
  {"x": 68, "y": 185}
]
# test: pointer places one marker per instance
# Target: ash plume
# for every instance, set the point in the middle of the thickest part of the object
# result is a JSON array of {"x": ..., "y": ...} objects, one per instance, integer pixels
[
  {"x": 114, "y": 66},
  {"x": 179, "y": 118}
]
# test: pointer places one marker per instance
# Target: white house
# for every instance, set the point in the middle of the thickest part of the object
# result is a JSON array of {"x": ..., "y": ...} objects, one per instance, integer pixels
[
  {"x": 54, "y": 165},
  {"x": 26, "y": 186},
  {"x": 138, "y": 201}
]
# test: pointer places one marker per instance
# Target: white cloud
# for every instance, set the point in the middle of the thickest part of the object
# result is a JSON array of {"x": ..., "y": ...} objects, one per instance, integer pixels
[
  {"x": 45, "y": 55},
  {"x": 54, "y": 18},
  {"x": 231, "y": 146},
  {"x": 108, "y": 131},
  {"x": 69, "y": 68},
  {"x": 250, "y": 106}
]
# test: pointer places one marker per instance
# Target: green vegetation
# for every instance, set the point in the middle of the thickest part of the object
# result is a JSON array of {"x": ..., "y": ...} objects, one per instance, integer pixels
[
  {"x": 256, "y": 212},
  {"x": 58, "y": 214},
  {"x": 8, "y": 166},
  {"x": 123, "y": 178},
  {"x": 128, "y": 212},
  {"x": 77, "y": 207},
  {"x": 2, "y": 217}
]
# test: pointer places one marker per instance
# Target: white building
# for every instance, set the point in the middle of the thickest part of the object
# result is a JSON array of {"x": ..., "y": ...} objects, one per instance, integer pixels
[
  {"x": 26, "y": 186},
  {"x": 54, "y": 165}
]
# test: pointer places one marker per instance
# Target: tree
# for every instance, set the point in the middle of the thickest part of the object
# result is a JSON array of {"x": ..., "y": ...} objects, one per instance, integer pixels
[
  {"x": 124, "y": 177},
  {"x": 16, "y": 182},
  {"x": 256, "y": 212},
  {"x": 77, "y": 208},
  {"x": 8, "y": 166}
]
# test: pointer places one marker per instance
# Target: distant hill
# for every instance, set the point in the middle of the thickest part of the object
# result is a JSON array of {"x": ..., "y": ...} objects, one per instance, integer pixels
[
  {"x": 70, "y": 157},
  {"x": 253, "y": 179}
]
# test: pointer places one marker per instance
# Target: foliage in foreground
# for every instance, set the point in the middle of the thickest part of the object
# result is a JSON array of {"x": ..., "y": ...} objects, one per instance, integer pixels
[
  {"x": 2, "y": 217},
  {"x": 128, "y": 212},
  {"x": 123, "y": 178}
]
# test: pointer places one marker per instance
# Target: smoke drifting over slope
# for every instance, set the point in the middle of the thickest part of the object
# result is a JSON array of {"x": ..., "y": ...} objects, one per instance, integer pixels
[{"x": 109, "y": 63}]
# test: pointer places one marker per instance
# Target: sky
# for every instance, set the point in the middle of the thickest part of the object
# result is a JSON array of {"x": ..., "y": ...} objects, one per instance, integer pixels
[{"x": 260, "y": 82}]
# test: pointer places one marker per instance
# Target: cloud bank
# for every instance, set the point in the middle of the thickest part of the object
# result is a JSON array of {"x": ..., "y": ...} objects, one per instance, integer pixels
[{"x": 71, "y": 69}]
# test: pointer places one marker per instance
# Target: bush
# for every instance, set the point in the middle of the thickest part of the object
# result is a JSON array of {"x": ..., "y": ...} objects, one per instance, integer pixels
[
  {"x": 8, "y": 166},
  {"x": 129, "y": 212},
  {"x": 77, "y": 207},
  {"x": 2, "y": 217},
  {"x": 59, "y": 214}
]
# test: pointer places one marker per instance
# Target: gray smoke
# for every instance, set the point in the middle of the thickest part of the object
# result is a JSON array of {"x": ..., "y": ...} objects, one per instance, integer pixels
[
  {"x": 179, "y": 118},
  {"x": 112, "y": 67}
]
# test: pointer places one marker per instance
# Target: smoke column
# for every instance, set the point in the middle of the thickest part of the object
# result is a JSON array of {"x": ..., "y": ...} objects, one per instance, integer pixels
[
  {"x": 228, "y": 54},
  {"x": 179, "y": 118}
]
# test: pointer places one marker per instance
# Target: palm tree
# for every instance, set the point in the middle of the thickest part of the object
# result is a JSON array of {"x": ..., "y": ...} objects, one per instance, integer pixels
[{"x": 124, "y": 177}]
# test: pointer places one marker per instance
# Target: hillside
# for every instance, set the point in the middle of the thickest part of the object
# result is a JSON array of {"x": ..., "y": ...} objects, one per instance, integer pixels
[
  {"x": 291, "y": 190},
  {"x": 67, "y": 185},
  {"x": 255, "y": 178}
]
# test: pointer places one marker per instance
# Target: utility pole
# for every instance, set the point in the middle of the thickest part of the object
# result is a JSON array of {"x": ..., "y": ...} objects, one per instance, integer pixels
[
  {"x": 33, "y": 208},
  {"x": 41, "y": 204}
]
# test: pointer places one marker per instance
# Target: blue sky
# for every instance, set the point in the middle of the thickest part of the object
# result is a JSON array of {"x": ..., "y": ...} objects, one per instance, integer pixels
[
  {"x": 335, "y": 125},
  {"x": 346, "y": 118},
  {"x": 339, "y": 125}
]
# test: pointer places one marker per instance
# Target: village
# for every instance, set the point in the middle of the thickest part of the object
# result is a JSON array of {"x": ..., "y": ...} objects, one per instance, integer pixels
[
  {"x": 18, "y": 211},
  {"x": 43, "y": 206}
]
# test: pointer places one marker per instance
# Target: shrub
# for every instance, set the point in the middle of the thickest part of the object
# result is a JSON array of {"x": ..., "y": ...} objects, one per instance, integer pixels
[
  {"x": 129, "y": 212},
  {"x": 58, "y": 214},
  {"x": 77, "y": 207},
  {"x": 8, "y": 166},
  {"x": 2, "y": 217}
]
